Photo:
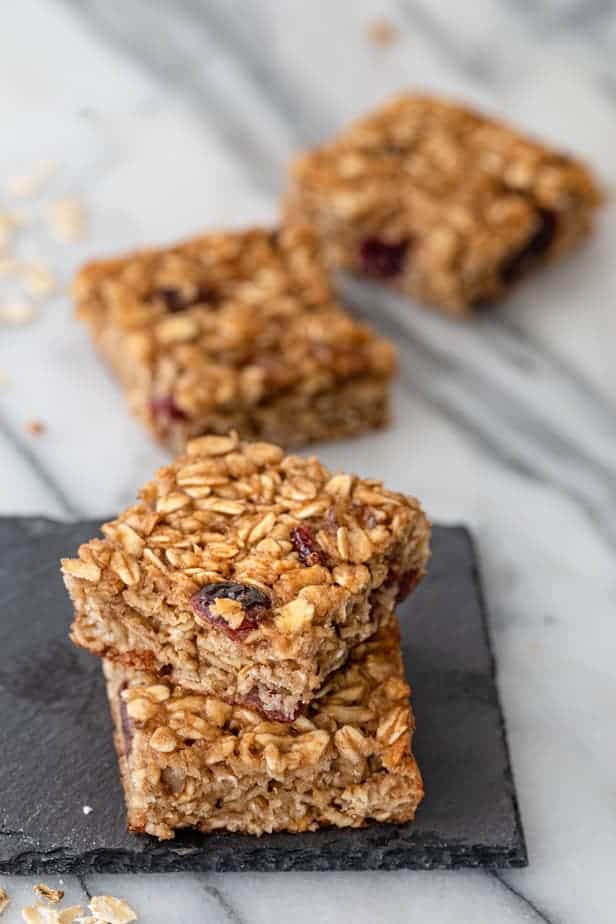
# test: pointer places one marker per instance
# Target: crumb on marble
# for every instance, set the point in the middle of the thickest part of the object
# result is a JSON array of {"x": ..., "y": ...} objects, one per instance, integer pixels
[
  {"x": 17, "y": 312},
  {"x": 39, "y": 279},
  {"x": 51, "y": 895},
  {"x": 67, "y": 220},
  {"x": 9, "y": 266},
  {"x": 382, "y": 32},
  {"x": 87, "y": 809},
  {"x": 32, "y": 183},
  {"x": 7, "y": 223},
  {"x": 34, "y": 427}
]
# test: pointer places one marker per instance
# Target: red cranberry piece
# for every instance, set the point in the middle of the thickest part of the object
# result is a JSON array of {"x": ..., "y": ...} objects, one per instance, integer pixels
[
  {"x": 254, "y": 603},
  {"x": 254, "y": 701},
  {"x": 407, "y": 582},
  {"x": 535, "y": 247},
  {"x": 306, "y": 546},
  {"x": 175, "y": 300},
  {"x": 380, "y": 259},
  {"x": 165, "y": 409}
]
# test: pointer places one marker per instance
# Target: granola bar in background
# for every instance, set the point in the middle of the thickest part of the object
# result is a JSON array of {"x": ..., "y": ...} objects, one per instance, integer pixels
[
  {"x": 449, "y": 206},
  {"x": 236, "y": 330}
]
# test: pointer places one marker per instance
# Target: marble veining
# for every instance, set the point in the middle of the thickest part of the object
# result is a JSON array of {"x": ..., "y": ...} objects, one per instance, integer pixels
[{"x": 174, "y": 116}]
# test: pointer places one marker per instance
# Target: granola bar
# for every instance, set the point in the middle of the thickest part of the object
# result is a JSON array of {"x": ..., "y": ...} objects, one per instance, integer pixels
[
  {"x": 246, "y": 574},
  {"x": 236, "y": 330},
  {"x": 440, "y": 202},
  {"x": 191, "y": 760}
]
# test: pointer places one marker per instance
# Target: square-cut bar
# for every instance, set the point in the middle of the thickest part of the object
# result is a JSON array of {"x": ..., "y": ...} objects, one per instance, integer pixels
[
  {"x": 236, "y": 330},
  {"x": 440, "y": 202},
  {"x": 246, "y": 574},
  {"x": 192, "y": 760}
]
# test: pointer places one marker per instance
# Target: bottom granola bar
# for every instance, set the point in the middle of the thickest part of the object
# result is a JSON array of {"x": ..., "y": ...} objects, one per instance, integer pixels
[{"x": 189, "y": 760}]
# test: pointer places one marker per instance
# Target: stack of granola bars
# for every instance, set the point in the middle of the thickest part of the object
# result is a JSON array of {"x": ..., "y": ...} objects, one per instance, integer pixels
[{"x": 245, "y": 611}]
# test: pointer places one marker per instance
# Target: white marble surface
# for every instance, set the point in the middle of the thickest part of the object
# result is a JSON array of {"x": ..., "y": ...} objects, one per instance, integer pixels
[{"x": 167, "y": 117}]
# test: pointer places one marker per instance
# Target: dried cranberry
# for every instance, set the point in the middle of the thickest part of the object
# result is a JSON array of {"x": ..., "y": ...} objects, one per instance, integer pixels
[
  {"x": 165, "y": 409},
  {"x": 381, "y": 259},
  {"x": 254, "y": 701},
  {"x": 254, "y": 603},
  {"x": 175, "y": 300},
  {"x": 535, "y": 247},
  {"x": 306, "y": 546},
  {"x": 406, "y": 583}
]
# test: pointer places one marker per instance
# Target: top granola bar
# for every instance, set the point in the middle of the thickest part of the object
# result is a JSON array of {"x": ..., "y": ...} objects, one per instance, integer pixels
[
  {"x": 247, "y": 574},
  {"x": 236, "y": 330},
  {"x": 445, "y": 204}
]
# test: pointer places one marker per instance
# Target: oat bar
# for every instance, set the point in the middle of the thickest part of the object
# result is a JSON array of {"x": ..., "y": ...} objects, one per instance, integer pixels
[
  {"x": 236, "y": 330},
  {"x": 192, "y": 760},
  {"x": 245, "y": 574},
  {"x": 444, "y": 204}
]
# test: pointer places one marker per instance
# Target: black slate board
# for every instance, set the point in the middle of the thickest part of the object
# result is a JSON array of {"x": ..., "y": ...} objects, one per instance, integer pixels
[{"x": 57, "y": 754}]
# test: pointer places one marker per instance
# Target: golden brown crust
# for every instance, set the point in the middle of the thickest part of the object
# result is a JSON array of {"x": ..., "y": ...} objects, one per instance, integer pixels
[
  {"x": 467, "y": 204},
  {"x": 190, "y": 760},
  {"x": 323, "y": 556},
  {"x": 236, "y": 330}
]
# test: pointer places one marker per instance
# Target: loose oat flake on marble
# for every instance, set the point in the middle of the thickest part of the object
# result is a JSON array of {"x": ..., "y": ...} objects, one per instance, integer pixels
[
  {"x": 110, "y": 910},
  {"x": 51, "y": 895}
]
